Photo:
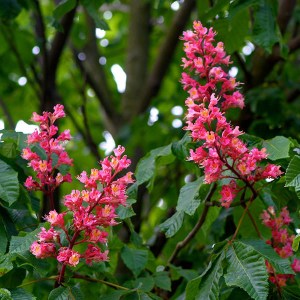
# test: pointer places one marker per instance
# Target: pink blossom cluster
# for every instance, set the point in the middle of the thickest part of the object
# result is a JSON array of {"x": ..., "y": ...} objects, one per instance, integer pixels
[
  {"x": 211, "y": 93},
  {"x": 51, "y": 154},
  {"x": 92, "y": 210},
  {"x": 281, "y": 241}
]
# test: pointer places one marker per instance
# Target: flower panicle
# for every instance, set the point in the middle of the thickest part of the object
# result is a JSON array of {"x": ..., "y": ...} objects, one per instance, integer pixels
[
  {"x": 92, "y": 210},
  {"x": 281, "y": 241},
  {"x": 49, "y": 153},
  {"x": 211, "y": 92}
]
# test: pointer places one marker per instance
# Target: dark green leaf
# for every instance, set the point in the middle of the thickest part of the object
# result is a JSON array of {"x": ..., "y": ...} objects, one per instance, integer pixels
[
  {"x": 209, "y": 287},
  {"x": 39, "y": 151},
  {"x": 9, "y": 184},
  {"x": 233, "y": 30},
  {"x": 292, "y": 175},
  {"x": 162, "y": 280},
  {"x": 278, "y": 147},
  {"x": 173, "y": 224},
  {"x": 63, "y": 7},
  {"x": 9, "y": 9},
  {"x": 247, "y": 270},
  {"x": 134, "y": 259},
  {"x": 54, "y": 158},
  {"x": 5, "y": 264},
  {"x": 187, "y": 200},
  {"x": 21, "y": 244},
  {"x": 21, "y": 294},
  {"x": 3, "y": 236},
  {"x": 124, "y": 212},
  {"x": 63, "y": 293},
  {"x": 146, "y": 167},
  {"x": 180, "y": 149},
  {"x": 145, "y": 284},
  {"x": 265, "y": 31},
  {"x": 281, "y": 265},
  {"x": 291, "y": 293}
]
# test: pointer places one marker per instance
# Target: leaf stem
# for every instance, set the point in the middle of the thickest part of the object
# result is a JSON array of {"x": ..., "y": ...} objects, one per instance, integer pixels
[{"x": 180, "y": 245}]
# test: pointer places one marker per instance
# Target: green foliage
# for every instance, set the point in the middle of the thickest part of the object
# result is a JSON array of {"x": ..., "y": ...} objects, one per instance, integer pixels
[
  {"x": 9, "y": 184},
  {"x": 265, "y": 32},
  {"x": 247, "y": 270},
  {"x": 278, "y": 147},
  {"x": 293, "y": 174},
  {"x": 163, "y": 205},
  {"x": 134, "y": 259}
]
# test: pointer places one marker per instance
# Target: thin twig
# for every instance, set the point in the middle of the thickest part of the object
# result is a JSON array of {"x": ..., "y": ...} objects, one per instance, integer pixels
[
  {"x": 196, "y": 228},
  {"x": 116, "y": 286}
]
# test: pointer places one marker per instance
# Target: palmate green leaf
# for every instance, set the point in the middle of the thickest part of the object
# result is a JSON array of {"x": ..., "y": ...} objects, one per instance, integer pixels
[
  {"x": 187, "y": 200},
  {"x": 281, "y": 265},
  {"x": 134, "y": 259},
  {"x": 265, "y": 31},
  {"x": 277, "y": 148},
  {"x": 247, "y": 270},
  {"x": 9, "y": 184},
  {"x": 63, "y": 293},
  {"x": 173, "y": 224}
]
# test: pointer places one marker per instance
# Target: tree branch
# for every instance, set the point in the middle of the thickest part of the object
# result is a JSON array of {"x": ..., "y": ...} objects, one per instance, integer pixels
[
  {"x": 137, "y": 56},
  {"x": 285, "y": 11},
  {"x": 96, "y": 77},
  {"x": 196, "y": 228},
  {"x": 60, "y": 40},
  {"x": 7, "y": 114},
  {"x": 165, "y": 54}
]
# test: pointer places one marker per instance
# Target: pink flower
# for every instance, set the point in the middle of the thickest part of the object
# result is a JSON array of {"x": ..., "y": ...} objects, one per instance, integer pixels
[
  {"x": 48, "y": 235},
  {"x": 55, "y": 219},
  {"x": 97, "y": 236},
  {"x": 58, "y": 112},
  {"x": 31, "y": 184},
  {"x": 68, "y": 256},
  {"x": 228, "y": 193},
  {"x": 94, "y": 254},
  {"x": 296, "y": 265},
  {"x": 42, "y": 250},
  {"x": 73, "y": 200}
]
